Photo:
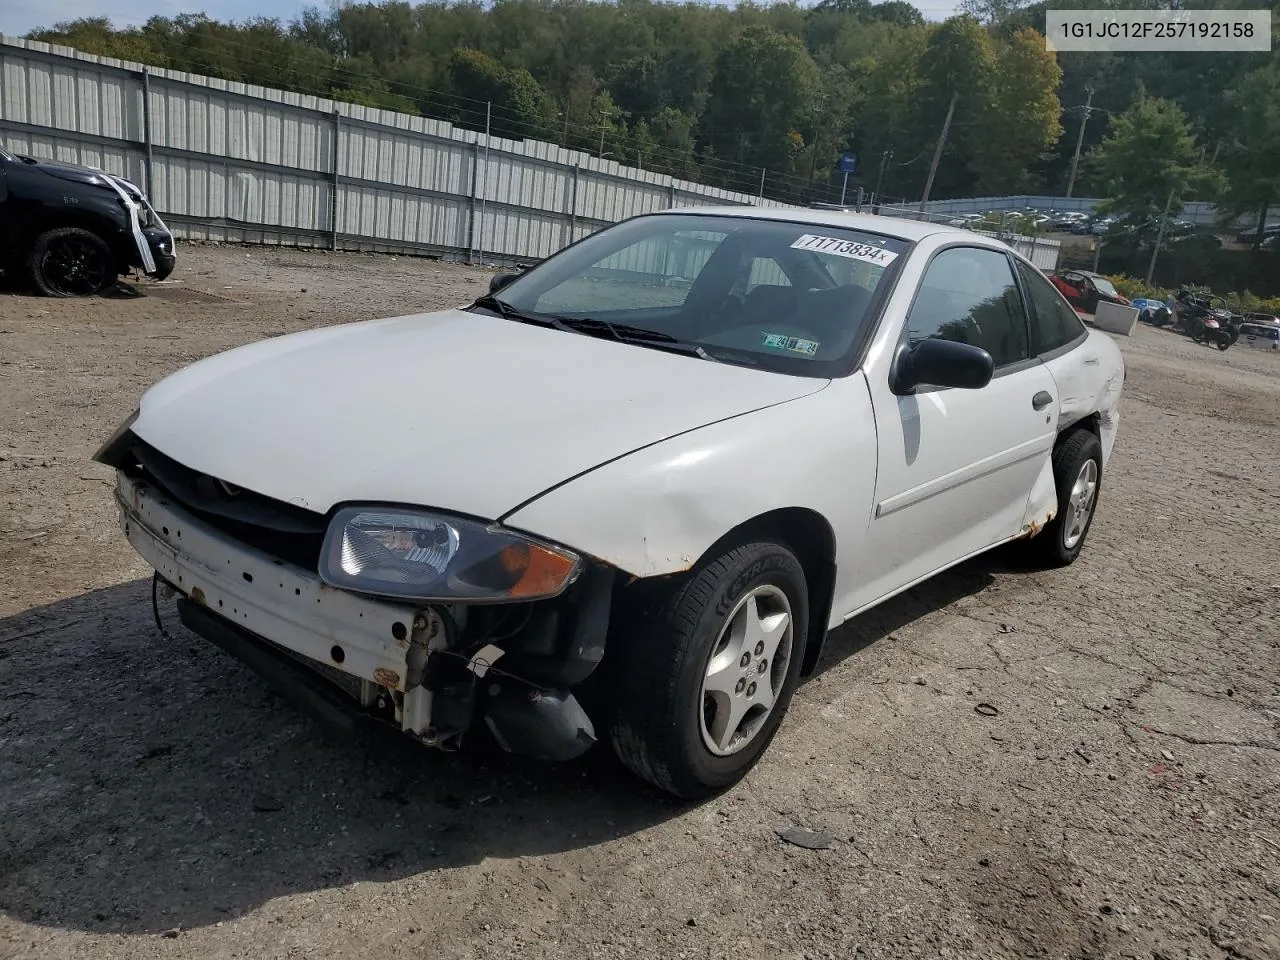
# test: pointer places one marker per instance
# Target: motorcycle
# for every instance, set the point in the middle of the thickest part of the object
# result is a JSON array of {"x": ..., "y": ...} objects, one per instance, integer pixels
[{"x": 1202, "y": 319}]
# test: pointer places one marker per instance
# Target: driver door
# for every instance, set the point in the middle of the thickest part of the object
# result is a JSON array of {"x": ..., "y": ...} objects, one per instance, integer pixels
[{"x": 956, "y": 467}]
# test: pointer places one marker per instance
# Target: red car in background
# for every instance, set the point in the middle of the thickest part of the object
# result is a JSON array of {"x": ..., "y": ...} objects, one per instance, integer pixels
[{"x": 1086, "y": 290}]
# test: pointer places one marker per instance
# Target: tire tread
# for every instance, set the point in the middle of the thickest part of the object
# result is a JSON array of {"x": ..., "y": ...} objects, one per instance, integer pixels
[{"x": 641, "y": 734}]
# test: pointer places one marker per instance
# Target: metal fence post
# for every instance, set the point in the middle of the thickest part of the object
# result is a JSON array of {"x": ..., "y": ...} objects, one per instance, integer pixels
[
  {"x": 488, "y": 138},
  {"x": 573, "y": 206},
  {"x": 475, "y": 181},
  {"x": 337, "y": 154},
  {"x": 146, "y": 133}
]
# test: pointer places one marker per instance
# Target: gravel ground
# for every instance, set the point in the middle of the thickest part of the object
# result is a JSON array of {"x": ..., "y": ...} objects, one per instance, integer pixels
[{"x": 1123, "y": 801}]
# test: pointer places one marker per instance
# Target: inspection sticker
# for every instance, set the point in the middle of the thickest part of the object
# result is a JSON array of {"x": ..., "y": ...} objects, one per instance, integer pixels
[
  {"x": 780, "y": 341},
  {"x": 845, "y": 248}
]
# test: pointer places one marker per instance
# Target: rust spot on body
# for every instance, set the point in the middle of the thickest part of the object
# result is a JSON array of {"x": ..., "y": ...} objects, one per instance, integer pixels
[
  {"x": 387, "y": 678},
  {"x": 197, "y": 596}
]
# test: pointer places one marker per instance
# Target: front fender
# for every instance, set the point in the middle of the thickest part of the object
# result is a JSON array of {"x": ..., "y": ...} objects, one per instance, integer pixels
[{"x": 658, "y": 510}]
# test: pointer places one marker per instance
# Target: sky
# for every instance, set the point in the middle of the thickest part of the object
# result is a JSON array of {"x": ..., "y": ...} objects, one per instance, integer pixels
[{"x": 17, "y": 17}]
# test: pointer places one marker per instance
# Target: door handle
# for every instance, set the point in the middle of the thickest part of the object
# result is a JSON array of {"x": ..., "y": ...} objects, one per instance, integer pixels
[{"x": 1041, "y": 400}]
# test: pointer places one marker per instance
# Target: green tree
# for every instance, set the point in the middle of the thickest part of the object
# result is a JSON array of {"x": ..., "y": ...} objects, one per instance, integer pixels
[
  {"x": 518, "y": 106},
  {"x": 1148, "y": 159},
  {"x": 1251, "y": 161},
  {"x": 760, "y": 95},
  {"x": 1022, "y": 115},
  {"x": 96, "y": 35}
]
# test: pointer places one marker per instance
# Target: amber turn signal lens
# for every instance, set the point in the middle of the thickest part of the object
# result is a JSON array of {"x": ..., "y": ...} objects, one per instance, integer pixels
[{"x": 540, "y": 571}]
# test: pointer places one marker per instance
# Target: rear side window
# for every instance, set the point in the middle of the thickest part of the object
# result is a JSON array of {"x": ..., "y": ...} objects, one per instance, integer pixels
[
  {"x": 968, "y": 295},
  {"x": 1053, "y": 323}
]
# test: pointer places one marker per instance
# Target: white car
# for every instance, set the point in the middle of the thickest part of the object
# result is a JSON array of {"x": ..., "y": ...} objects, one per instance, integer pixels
[{"x": 627, "y": 494}]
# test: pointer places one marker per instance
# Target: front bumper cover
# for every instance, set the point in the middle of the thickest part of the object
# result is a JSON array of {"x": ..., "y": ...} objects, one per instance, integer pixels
[{"x": 361, "y": 638}]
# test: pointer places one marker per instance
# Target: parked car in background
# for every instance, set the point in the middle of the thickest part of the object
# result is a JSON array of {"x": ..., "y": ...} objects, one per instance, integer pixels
[
  {"x": 1260, "y": 335},
  {"x": 1152, "y": 311},
  {"x": 632, "y": 508},
  {"x": 1085, "y": 289},
  {"x": 1253, "y": 236},
  {"x": 72, "y": 231}
]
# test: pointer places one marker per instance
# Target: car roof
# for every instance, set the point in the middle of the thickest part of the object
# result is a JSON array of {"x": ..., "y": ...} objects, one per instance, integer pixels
[{"x": 897, "y": 227}]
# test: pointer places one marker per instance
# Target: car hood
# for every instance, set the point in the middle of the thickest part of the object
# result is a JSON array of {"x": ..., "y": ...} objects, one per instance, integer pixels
[
  {"x": 461, "y": 411},
  {"x": 82, "y": 175}
]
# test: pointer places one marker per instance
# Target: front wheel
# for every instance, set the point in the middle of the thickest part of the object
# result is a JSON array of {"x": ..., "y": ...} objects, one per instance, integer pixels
[
  {"x": 699, "y": 693},
  {"x": 69, "y": 262},
  {"x": 1224, "y": 341}
]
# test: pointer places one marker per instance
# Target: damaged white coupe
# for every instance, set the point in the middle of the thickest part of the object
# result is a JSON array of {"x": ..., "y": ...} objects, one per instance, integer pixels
[{"x": 625, "y": 495}]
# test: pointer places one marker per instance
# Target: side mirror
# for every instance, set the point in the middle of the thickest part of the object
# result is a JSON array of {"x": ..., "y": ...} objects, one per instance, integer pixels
[
  {"x": 500, "y": 280},
  {"x": 940, "y": 363}
]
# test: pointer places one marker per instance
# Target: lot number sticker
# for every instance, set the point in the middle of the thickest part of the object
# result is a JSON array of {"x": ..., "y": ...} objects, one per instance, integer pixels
[{"x": 845, "y": 248}]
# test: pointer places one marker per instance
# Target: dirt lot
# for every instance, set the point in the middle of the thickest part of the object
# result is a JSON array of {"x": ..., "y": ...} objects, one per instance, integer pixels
[{"x": 161, "y": 803}]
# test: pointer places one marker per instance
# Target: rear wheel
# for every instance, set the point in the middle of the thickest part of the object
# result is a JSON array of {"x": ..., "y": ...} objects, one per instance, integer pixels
[
  {"x": 1077, "y": 474},
  {"x": 700, "y": 693},
  {"x": 69, "y": 262}
]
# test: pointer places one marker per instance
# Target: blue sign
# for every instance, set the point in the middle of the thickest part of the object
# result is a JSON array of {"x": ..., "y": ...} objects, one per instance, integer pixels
[{"x": 848, "y": 161}]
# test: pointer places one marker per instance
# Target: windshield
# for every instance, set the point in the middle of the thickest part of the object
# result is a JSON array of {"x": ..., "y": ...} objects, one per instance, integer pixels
[
  {"x": 789, "y": 297},
  {"x": 6, "y": 154},
  {"x": 1104, "y": 286}
]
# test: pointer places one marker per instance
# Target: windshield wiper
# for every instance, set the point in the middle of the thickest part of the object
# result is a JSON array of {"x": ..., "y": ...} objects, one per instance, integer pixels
[
  {"x": 620, "y": 331},
  {"x": 590, "y": 326},
  {"x": 641, "y": 336},
  {"x": 508, "y": 312}
]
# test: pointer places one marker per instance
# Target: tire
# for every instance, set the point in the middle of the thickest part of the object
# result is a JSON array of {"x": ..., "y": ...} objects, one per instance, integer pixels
[
  {"x": 668, "y": 727},
  {"x": 70, "y": 262},
  {"x": 1059, "y": 543},
  {"x": 1224, "y": 341}
]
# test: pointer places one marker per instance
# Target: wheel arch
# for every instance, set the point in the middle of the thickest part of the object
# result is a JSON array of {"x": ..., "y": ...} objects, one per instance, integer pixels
[
  {"x": 101, "y": 226},
  {"x": 1091, "y": 422},
  {"x": 809, "y": 535}
]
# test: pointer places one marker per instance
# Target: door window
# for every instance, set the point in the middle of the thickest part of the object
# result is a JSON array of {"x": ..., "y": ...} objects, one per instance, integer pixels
[
  {"x": 968, "y": 295},
  {"x": 1053, "y": 323}
]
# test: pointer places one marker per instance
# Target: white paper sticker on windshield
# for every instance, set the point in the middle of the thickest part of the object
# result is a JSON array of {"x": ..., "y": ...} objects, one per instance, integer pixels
[{"x": 845, "y": 248}]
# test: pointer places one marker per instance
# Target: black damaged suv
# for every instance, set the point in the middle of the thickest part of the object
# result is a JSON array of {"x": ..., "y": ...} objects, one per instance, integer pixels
[{"x": 71, "y": 231}]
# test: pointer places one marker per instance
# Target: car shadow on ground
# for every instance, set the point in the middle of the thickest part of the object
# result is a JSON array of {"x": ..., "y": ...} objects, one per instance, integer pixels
[
  {"x": 965, "y": 580},
  {"x": 152, "y": 783},
  {"x": 17, "y": 286}
]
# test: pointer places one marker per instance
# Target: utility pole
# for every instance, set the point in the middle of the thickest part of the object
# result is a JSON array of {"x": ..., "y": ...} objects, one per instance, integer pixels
[
  {"x": 604, "y": 119},
  {"x": 1075, "y": 160},
  {"x": 1151, "y": 267},
  {"x": 885, "y": 157},
  {"x": 565, "y": 140},
  {"x": 937, "y": 154},
  {"x": 813, "y": 159},
  {"x": 761, "y": 197}
]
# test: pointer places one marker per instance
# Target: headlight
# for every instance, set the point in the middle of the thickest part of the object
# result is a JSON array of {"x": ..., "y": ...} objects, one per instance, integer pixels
[{"x": 426, "y": 556}]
